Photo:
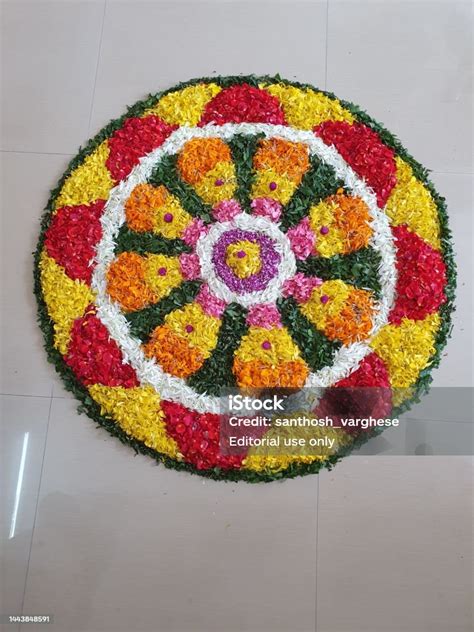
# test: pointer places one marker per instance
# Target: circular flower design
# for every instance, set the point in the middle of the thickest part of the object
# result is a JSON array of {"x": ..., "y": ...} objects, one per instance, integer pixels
[{"x": 241, "y": 232}]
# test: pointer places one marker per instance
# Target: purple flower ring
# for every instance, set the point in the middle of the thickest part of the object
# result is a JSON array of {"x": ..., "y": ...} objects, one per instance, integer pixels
[
  {"x": 269, "y": 258},
  {"x": 276, "y": 260}
]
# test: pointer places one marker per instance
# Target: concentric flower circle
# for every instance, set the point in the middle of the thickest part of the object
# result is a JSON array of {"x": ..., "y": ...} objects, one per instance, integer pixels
[{"x": 245, "y": 232}]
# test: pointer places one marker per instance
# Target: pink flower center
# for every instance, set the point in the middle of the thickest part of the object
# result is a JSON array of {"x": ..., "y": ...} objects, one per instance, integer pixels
[
  {"x": 168, "y": 217},
  {"x": 241, "y": 254},
  {"x": 324, "y": 230},
  {"x": 189, "y": 329},
  {"x": 219, "y": 182},
  {"x": 272, "y": 186},
  {"x": 266, "y": 344},
  {"x": 324, "y": 299},
  {"x": 162, "y": 271}
]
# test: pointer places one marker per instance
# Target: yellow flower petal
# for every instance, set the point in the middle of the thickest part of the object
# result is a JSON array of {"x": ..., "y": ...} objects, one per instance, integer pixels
[
  {"x": 180, "y": 218},
  {"x": 162, "y": 284},
  {"x": 212, "y": 193},
  {"x": 276, "y": 458},
  {"x": 284, "y": 189},
  {"x": 319, "y": 313},
  {"x": 137, "y": 411},
  {"x": 247, "y": 265},
  {"x": 282, "y": 348},
  {"x": 411, "y": 203},
  {"x": 90, "y": 181},
  {"x": 407, "y": 348},
  {"x": 186, "y": 106},
  {"x": 66, "y": 299},
  {"x": 305, "y": 108},
  {"x": 205, "y": 329}
]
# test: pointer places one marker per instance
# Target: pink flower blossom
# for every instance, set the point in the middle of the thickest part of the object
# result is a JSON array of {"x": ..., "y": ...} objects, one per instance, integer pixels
[
  {"x": 226, "y": 210},
  {"x": 266, "y": 207},
  {"x": 302, "y": 239},
  {"x": 301, "y": 287},
  {"x": 194, "y": 231},
  {"x": 210, "y": 304},
  {"x": 190, "y": 266},
  {"x": 264, "y": 315}
]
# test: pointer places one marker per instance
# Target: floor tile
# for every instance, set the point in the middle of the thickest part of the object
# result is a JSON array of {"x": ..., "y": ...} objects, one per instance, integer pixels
[
  {"x": 456, "y": 367},
  {"x": 409, "y": 65},
  {"x": 195, "y": 554},
  {"x": 423, "y": 437},
  {"x": 395, "y": 545},
  {"x": 60, "y": 391},
  {"x": 222, "y": 37},
  {"x": 52, "y": 48},
  {"x": 25, "y": 370},
  {"x": 23, "y": 428}
]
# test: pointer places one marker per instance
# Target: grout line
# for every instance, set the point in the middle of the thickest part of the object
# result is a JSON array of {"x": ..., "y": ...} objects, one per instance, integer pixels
[
  {"x": 97, "y": 68},
  {"x": 327, "y": 37},
  {"x": 35, "y": 153},
  {"x": 316, "y": 576},
  {"x": 451, "y": 173},
  {"x": 20, "y": 395},
  {"x": 37, "y": 501}
]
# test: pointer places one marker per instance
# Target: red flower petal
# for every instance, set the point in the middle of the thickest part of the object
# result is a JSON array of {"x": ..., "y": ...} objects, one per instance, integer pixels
[
  {"x": 136, "y": 138},
  {"x": 72, "y": 236},
  {"x": 365, "y": 393},
  {"x": 364, "y": 151},
  {"x": 243, "y": 104},
  {"x": 421, "y": 277},
  {"x": 95, "y": 358},
  {"x": 197, "y": 436},
  {"x": 371, "y": 372}
]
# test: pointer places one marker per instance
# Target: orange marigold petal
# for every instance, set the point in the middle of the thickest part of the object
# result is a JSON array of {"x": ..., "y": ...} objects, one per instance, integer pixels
[
  {"x": 126, "y": 282},
  {"x": 199, "y": 156},
  {"x": 173, "y": 353},
  {"x": 258, "y": 374},
  {"x": 140, "y": 206},
  {"x": 352, "y": 218},
  {"x": 282, "y": 156},
  {"x": 354, "y": 321}
]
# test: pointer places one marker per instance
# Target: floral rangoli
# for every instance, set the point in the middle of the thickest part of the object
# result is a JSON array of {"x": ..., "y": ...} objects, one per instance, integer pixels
[{"x": 243, "y": 232}]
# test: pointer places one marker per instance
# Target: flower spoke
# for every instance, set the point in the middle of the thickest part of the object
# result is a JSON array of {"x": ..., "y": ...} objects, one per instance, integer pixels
[
  {"x": 216, "y": 372},
  {"x": 166, "y": 173},
  {"x": 144, "y": 321},
  {"x": 148, "y": 242},
  {"x": 318, "y": 183},
  {"x": 316, "y": 349},
  {"x": 243, "y": 149},
  {"x": 359, "y": 268}
]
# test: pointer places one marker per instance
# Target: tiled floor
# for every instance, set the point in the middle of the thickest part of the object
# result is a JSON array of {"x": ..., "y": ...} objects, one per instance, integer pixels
[{"x": 104, "y": 541}]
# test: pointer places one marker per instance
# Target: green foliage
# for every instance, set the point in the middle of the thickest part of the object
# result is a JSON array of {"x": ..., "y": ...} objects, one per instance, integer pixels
[
  {"x": 243, "y": 149},
  {"x": 144, "y": 321},
  {"x": 359, "y": 268},
  {"x": 148, "y": 243},
  {"x": 216, "y": 372},
  {"x": 166, "y": 173},
  {"x": 318, "y": 182},
  {"x": 317, "y": 350}
]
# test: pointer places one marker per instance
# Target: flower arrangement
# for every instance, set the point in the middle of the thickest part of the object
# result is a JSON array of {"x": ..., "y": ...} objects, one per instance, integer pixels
[{"x": 240, "y": 232}]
